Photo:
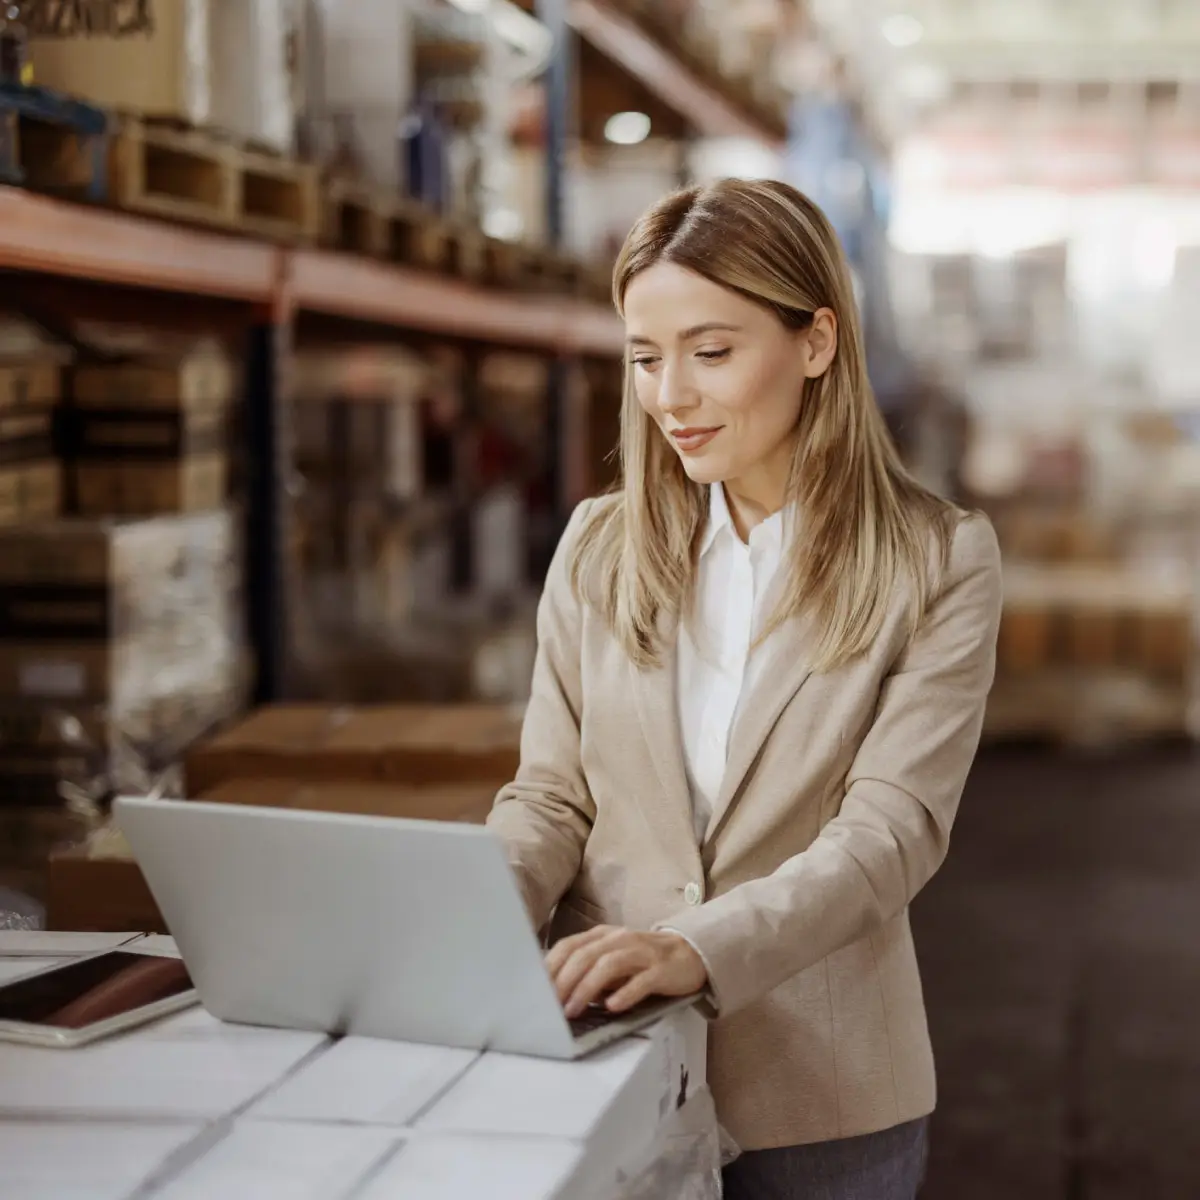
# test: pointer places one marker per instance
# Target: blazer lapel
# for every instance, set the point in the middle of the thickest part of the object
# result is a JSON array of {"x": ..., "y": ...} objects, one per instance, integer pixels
[
  {"x": 784, "y": 674},
  {"x": 654, "y": 694}
]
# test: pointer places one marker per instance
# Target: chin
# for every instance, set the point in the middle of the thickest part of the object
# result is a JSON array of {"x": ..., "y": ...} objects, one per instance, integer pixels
[{"x": 701, "y": 470}]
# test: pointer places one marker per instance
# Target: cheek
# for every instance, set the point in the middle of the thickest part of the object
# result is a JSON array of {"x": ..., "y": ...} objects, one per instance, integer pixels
[
  {"x": 646, "y": 391},
  {"x": 763, "y": 400}
]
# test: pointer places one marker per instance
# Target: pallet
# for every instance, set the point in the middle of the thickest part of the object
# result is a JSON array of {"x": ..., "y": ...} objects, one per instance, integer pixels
[
  {"x": 364, "y": 220},
  {"x": 52, "y": 143},
  {"x": 197, "y": 177},
  {"x": 360, "y": 219}
]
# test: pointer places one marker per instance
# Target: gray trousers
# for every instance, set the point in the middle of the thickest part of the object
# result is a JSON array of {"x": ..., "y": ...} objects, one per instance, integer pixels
[{"x": 876, "y": 1166}]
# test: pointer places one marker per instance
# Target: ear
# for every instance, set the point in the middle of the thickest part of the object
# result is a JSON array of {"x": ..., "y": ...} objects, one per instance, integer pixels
[{"x": 820, "y": 344}]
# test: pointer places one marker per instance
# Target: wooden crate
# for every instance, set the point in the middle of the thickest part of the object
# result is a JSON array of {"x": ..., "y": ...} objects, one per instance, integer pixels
[{"x": 195, "y": 176}]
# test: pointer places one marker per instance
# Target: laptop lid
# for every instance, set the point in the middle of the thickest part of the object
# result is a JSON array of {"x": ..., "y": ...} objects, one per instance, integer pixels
[{"x": 380, "y": 927}]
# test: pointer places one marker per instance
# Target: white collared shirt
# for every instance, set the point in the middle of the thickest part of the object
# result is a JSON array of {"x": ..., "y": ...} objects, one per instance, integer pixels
[{"x": 717, "y": 661}]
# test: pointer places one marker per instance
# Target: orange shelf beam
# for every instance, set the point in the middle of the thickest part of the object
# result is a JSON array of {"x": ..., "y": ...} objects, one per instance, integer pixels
[
  {"x": 623, "y": 40},
  {"x": 59, "y": 238},
  {"x": 343, "y": 286}
]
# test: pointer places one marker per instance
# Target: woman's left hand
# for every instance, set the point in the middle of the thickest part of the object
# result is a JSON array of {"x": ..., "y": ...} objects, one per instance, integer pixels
[{"x": 624, "y": 966}]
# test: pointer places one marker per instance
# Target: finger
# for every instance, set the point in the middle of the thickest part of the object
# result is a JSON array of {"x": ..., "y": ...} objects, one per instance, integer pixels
[
  {"x": 562, "y": 950},
  {"x": 641, "y": 987},
  {"x": 576, "y": 968},
  {"x": 610, "y": 971}
]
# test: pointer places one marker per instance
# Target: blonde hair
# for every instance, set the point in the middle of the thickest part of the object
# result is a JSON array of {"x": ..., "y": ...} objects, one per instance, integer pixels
[{"x": 868, "y": 526}]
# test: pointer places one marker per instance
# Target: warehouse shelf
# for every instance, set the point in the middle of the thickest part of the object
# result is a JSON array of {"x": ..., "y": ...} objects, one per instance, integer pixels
[
  {"x": 641, "y": 55},
  {"x": 55, "y": 237},
  {"x": 344, "y": 286}
]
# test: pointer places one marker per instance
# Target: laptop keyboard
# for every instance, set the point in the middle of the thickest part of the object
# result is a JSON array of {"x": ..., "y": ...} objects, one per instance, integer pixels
[{"x": 596, "y": 1017}]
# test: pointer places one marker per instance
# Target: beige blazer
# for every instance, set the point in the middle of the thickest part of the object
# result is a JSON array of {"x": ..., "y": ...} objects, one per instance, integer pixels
[{"x": 836, "y": 810}]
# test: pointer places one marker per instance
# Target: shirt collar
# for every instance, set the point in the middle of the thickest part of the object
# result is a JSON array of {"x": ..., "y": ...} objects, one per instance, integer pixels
[
  {"x": 770, "y": 532},
  {"x": 719, "y": 517}
]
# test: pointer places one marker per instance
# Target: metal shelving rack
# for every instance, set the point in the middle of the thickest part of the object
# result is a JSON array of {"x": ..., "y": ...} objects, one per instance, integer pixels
[{"x": 77, "y": 262}]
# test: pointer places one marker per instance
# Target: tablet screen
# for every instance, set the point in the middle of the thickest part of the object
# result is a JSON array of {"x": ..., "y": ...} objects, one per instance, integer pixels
[{"x": 80, "y": 993}]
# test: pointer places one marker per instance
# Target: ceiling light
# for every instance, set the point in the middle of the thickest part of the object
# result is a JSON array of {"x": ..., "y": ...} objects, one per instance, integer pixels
[
  {"x": 627, "y": 128},
  {"x": 903, "y": 29}
]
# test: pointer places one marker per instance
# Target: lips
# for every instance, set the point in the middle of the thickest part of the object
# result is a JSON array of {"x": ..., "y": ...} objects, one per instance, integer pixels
[{"x": 690, "y": 440}]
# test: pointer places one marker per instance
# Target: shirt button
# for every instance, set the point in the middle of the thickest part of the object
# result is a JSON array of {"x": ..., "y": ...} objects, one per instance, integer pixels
[{"x": 693, "y": 894}]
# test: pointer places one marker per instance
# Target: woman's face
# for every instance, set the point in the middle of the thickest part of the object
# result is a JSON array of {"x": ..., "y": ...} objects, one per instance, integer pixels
[{"x": 722, "y": 377}]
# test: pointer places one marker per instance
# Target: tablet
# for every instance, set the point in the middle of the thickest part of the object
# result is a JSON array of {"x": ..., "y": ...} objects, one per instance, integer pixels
[{"x": 79, "y": 1001}]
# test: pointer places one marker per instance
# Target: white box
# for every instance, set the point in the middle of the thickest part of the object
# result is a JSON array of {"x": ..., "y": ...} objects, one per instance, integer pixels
[
  {"x": 367, "y": 1081},
  {"x": 68, "y": 1160}
]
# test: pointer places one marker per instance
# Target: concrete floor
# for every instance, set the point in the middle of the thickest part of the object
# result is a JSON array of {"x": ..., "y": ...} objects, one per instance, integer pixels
[{"x": 1060, "y": 947}]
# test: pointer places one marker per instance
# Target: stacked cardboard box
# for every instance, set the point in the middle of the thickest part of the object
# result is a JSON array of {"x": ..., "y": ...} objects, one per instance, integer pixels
[
  {"x": 150, "y": 437},
  {"x": 119, "y": 642},
  {"x": 30, "y": 475},
  {"x": 424, "y": 762},
  {"x": 1093, "y": 653},
  {"x": 414, "y": 745}
]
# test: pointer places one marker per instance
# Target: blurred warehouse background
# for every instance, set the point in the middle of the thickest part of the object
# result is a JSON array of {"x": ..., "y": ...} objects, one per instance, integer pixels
[{"x": 306, "y": 352}]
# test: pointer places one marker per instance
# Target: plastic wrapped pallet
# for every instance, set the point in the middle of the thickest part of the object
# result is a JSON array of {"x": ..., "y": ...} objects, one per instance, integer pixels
[
  {"x": 120, "y": 644},
  {"x": 254, "y": 46},
  {"x": 685, "y": 1159},
  {"x": 119, "y": 612}
]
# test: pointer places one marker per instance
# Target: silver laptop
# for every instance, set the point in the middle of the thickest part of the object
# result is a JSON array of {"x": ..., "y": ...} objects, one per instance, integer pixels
[{"x": 380, "y": 927}]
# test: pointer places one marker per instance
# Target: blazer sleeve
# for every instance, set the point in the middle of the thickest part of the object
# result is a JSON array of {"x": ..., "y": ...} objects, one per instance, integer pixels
[
  {"x": 902, "y": 792},
  {"x": 545, "y": 815}
]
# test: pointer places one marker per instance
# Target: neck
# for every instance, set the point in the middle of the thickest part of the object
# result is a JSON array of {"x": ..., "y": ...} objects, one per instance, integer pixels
[
  {"x": 757, "y": 495},
  {"x": 752, "y": 500}
]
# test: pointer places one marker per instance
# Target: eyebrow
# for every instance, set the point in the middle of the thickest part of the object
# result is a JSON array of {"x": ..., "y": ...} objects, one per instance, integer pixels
[{"x": 694, "y": 332}]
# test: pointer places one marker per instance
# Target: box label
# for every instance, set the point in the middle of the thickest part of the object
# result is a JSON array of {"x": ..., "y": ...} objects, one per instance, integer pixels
[{"x": 97, "y": 18}]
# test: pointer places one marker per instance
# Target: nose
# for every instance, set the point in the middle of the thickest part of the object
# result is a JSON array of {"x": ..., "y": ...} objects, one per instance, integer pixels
[{"x": 674, "y": 393}]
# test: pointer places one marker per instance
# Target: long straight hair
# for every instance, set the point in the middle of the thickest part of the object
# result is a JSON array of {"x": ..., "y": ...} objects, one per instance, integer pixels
[{"x": 868, "y": 528}]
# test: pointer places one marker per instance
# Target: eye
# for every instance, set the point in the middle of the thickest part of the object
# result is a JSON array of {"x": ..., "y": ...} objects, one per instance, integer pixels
[
  {"x": 646, "y": 361},
  {"x": 712, "y": 355}
]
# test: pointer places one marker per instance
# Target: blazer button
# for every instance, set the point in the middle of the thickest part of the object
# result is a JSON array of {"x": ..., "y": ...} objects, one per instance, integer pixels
[{"x": 693, "y": 894}]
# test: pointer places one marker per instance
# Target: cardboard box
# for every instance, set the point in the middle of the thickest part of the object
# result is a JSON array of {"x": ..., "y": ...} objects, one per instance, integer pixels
[
  {"x": 150, "y": 437},
  {"x": 143, "y": 56},
  {"x": 30, "y": 492},
  {"x": 202, "y": 377},
  {"x": 98, "y": 894},
  {"x": 110, "y": 893},
  {"x": 26, "y": 434},
  {"x": 134, "y": 489},
  {"x": 32, "y": 384},
  {"x": 120, "y": 613},
  {"x": 469, "y": 802},
  {"x": 414, "y": 744}
]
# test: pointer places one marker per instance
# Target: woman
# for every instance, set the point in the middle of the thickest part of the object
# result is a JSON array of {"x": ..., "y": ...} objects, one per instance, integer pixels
[{"x": 760, "y": 682}]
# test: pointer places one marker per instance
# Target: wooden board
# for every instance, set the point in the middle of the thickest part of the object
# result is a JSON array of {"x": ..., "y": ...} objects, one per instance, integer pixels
[{"x": 195, "y": 176}]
